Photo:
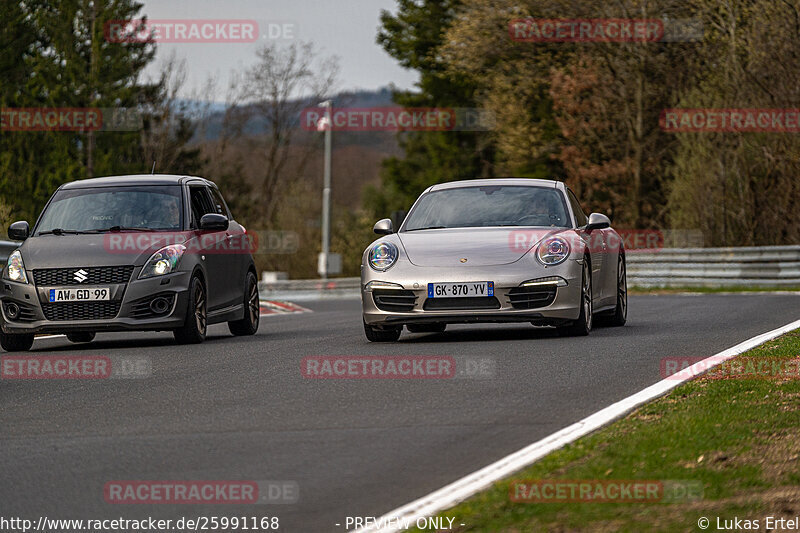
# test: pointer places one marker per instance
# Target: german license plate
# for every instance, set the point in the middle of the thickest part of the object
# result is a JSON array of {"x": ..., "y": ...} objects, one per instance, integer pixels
[
  {"x": 80, "y": 295},
  {"x": 459, "y": 290}
]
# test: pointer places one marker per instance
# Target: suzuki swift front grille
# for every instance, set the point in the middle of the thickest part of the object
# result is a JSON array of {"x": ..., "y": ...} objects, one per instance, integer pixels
[{"x": 82, "y": 276}]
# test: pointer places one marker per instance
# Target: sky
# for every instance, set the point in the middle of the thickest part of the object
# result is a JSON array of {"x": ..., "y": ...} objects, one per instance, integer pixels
[{"x": 344, "y": 28}]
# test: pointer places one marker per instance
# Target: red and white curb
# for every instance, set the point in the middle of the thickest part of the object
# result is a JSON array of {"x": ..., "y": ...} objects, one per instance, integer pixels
[
  {"x": 458, "y": 491},
  {"x": 276, "y": 307}
]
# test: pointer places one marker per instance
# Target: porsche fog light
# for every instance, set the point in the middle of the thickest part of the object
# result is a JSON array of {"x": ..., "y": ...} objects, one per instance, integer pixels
[
  {"x": 551, "y": 281},
  {"x": 374, "y": 285}
]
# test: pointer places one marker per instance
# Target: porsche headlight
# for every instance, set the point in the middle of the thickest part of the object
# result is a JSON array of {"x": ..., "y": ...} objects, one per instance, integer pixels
[
  {"x": 382, "y": 256},
  {"x": 15, "y": 268},
  {"x": 552, "y": 251},
  {"x": 164, "y": 261}
]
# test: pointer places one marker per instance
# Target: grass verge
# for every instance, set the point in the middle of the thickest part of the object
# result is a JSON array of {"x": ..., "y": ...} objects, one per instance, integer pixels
[{"x": 738, "y": 436}]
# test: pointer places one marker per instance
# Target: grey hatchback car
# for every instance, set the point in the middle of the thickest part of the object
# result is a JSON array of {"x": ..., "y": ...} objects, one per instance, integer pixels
[{"x": 149, "y": 252}]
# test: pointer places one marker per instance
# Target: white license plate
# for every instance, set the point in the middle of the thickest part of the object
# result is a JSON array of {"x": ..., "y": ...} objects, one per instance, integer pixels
[
  {"x": 80, "y": 295},
  {"x": 457, "y": 290}
]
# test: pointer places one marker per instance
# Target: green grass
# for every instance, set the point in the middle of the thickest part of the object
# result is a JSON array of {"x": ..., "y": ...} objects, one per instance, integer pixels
[{"x": 739, "y": 437}]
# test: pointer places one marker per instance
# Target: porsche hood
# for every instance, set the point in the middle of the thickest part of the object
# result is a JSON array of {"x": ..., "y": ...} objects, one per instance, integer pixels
[{"x": 473, "y": 246}]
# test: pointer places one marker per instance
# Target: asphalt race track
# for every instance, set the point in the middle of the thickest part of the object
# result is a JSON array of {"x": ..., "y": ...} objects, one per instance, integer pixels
[{"x": 240, "y": 409}]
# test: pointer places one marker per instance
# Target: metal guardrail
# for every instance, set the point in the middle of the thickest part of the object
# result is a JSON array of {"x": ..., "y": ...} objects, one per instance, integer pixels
[
  {"x": 757, "y": 266},
  {"x": 763, "y": 266},
  {"x": 310, "y": 284},
  {"x": 309, "y": 289}
]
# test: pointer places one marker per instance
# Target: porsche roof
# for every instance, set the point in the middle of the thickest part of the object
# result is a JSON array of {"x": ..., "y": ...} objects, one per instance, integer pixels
[{"x": 497, "y": 181}]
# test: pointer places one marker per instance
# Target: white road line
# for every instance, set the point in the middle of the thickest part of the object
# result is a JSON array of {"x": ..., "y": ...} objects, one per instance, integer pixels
[{"x": 465, "y": 487}]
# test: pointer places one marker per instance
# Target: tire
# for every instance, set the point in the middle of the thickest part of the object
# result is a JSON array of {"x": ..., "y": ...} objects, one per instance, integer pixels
[
  {"x": 583, "y": 325},
  {"x": 436, "y": 327},
  {"x": 248, "y": 325},
  {"x": 16, "y": 342},
  {"x": 382, "y": 335},
  {"x": 195, "y": 326},
  {"x": 620, "y": 315},
  {"x": 81, "y": 336}
]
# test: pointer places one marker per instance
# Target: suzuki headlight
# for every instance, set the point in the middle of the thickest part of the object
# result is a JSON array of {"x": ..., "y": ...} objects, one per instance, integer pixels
[
  {"x": 552, "y": 251},
  {"x": 382, "y": 256},
  {"x": 15, "y": 268},
  {"x": 164, "y": 261}
]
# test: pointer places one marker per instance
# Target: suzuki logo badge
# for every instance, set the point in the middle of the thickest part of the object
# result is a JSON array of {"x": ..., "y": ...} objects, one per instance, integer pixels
[
  {"x": 463, "y": 259},
  {"x": 80, "y": 276}
]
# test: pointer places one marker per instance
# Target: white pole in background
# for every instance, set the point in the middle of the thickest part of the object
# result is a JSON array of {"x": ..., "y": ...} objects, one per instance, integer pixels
[{"x": 322, "y": 265}]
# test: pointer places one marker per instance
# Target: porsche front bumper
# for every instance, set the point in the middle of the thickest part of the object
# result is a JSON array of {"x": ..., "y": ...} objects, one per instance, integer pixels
[{"x": 407, "y": 302}]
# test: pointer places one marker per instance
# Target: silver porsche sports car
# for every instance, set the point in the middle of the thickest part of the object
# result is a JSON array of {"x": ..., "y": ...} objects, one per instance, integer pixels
[{"x": 494, "y": 250}]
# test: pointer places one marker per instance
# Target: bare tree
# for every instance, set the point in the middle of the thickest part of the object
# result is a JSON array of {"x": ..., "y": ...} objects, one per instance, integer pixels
[
  {"x": 162, "y": 114},
  {"x": 274, "y": 91}
]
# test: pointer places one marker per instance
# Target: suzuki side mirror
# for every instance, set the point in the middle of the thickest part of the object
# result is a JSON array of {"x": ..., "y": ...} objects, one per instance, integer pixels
[
  {"x": 19, "y": 231},
  {"x": 214, "y": 222}
]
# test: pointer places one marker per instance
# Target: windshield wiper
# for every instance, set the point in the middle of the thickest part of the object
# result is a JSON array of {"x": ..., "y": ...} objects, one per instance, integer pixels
[
  {"x": 121, "y": 228},
  {"x": 59, "y": 231},
  {"x": 427, "y": 227},
  {"x": 114, "y": 229}
]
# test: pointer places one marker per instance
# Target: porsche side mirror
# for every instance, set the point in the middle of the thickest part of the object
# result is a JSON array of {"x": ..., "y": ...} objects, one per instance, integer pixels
[
  {"x": 598, "y": 221},
  {"x": 383, "y": 227}
]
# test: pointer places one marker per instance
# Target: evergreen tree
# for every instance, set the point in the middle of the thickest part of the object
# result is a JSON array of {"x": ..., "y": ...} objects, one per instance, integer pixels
[
  {"x": 55, "y": 54},
  {"x": 413, "y": 37}
]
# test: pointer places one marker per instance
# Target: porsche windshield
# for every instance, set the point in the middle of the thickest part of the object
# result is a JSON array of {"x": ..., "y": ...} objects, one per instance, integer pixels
[
  {"x": 100, "y": 209},
  {"x": 495, "y": 205}
]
